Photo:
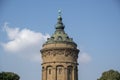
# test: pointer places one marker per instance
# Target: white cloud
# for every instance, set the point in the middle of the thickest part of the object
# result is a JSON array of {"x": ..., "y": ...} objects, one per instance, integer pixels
[
  {"x": 11, "y": 32},
  {"x": 84, "y": 58},
  {"x": 25, "y": 43}
]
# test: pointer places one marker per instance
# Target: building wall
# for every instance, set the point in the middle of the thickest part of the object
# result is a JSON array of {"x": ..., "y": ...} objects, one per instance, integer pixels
[{"x": 59, "y": 62}]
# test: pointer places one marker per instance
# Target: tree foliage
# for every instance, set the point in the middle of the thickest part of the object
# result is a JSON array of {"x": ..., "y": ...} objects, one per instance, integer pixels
[
  {"x": 110, "y": 75},
  {"x": 9, "y": 76}
]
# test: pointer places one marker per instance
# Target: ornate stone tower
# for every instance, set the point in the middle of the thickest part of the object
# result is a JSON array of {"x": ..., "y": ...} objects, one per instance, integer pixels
[{"x": 59, "y": 55}]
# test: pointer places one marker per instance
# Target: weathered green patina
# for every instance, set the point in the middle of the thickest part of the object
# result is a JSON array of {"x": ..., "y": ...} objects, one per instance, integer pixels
[{"x": 59, "y": 35}]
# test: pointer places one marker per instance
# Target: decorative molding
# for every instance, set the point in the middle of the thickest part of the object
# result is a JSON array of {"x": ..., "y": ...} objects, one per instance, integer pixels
[
  {"x": 60, "y": 62},
  {"x": 60, "y": 51}
]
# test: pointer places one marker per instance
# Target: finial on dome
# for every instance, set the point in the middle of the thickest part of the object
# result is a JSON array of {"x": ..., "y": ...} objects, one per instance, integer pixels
[
  {"x": 59, "y": 24},
  {"x": 59, "y": 12}
]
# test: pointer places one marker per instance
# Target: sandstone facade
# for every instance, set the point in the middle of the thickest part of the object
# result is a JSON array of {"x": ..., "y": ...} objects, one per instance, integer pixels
[{"x": 59, "y": 55}]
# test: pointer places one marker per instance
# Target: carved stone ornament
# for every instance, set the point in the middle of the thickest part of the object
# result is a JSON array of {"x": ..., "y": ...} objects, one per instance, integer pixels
[{"x": 65, "y": 52}]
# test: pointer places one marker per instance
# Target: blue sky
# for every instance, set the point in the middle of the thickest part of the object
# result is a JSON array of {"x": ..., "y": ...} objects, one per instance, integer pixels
[{"x": 93, "y": 24}]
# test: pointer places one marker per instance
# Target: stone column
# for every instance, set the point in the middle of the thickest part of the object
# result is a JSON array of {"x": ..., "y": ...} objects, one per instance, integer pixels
[
  {"x": 44, "y": 73},
  {"x": 54, "y": 73},
  {"x": 76, "y": 73},
  {"x": 73, "y": 73},
  {"x": 65, "y": 73}
]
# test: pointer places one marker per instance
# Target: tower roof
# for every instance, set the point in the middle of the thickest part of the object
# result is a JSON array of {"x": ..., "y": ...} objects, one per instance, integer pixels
[
  {"x": 59, "y": 24},
  {"x": 59, "y": 36}
]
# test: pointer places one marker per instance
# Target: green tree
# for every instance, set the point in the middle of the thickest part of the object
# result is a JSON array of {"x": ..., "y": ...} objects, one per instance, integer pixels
[
  {"x": 9, "y": 76},
  {"x": 110, "y": 75}
]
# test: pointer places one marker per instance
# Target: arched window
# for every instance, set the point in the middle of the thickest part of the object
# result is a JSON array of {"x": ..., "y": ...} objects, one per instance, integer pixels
[
  {"x": 49, "y": 71},
  {"x": 60, "y": 72},
  {"x": 59, "y": 69},
  {"x": 59, "y": 38}
]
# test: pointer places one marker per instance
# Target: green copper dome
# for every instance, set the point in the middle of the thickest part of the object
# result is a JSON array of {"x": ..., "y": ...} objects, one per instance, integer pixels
[{"x": 59, "y": 35}]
